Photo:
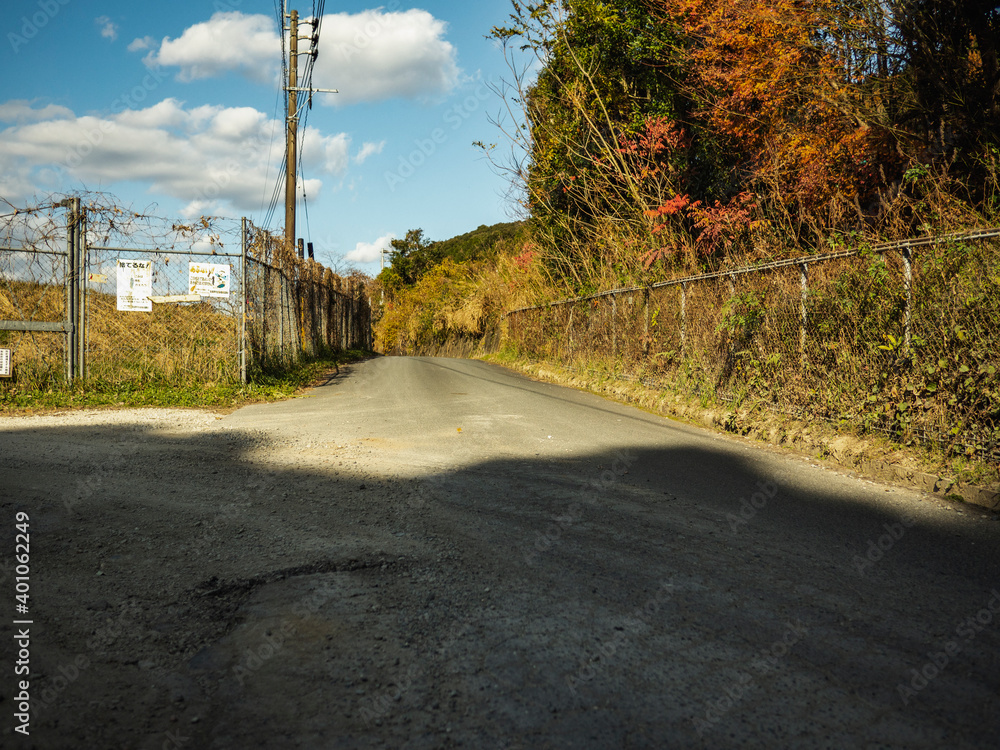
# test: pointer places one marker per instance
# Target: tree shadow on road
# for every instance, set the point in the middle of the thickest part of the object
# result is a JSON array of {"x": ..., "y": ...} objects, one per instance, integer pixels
[{"x": 184, "y": 590}]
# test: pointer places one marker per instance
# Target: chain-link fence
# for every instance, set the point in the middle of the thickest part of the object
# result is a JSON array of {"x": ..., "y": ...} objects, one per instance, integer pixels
[
  {"x": 35, "y": 270},
  {"x": 899, "y": 338},
  {"x": 121, "y": 299},
  {"x": 164, "y": 300},
  {"x": 297, "y": 306}
]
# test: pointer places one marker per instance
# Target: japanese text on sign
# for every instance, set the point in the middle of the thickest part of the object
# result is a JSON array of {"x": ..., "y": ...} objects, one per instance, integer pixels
[
  {"x": 135, "y": 285},
  {"x": 208, "y": 280}
]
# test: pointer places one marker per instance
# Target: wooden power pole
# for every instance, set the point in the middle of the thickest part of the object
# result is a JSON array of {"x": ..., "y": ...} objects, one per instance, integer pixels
[
  {"x": 292, "y": 116},
  {"x": 292, "y": 130}
]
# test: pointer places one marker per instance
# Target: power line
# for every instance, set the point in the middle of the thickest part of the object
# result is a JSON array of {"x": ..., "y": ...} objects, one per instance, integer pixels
[{"x": 270, "y": 149}]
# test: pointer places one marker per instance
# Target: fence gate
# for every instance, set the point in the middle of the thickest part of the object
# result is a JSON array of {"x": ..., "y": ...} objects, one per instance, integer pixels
[
  {"x": 120, "y": 299},
  {"x": 165, "y": 301},
  {"x": 42, "y": 291}
]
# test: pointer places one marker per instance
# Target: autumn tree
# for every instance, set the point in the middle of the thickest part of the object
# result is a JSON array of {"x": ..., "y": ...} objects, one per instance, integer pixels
[
  {"x": 602, "y": 114},
  {"x": 703, "y": 129}
]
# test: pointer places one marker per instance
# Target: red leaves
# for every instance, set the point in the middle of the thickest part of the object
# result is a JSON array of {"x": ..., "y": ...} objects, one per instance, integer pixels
[
  {"x": 673, "y": 206},
  {"x": 648, "y": 259},
  {"x": 526, "y": 258},
  {"x": 661, "y": 138},
  {"x": 723, "y": 225},
  {"x": 718, "y": 227}
]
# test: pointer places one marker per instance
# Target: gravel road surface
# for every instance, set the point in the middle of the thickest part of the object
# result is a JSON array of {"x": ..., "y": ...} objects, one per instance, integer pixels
[{"x": 430, "y": 553}]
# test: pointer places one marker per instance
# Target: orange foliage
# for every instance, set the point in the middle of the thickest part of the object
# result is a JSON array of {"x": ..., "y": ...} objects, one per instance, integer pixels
[{"x": 779, "y": 94}]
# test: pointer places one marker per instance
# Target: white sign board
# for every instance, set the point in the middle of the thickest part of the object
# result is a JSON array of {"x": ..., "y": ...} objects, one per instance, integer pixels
[
  {"x": 135, "y": 285},
  {"x": 172, "y": 298},
  {"x": 5, "y": 363},
  {"x": 208, "y": 280}
]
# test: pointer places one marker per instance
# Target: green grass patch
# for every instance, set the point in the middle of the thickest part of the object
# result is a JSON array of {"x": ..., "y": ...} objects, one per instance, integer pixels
[{"x": 95, "y": 393}]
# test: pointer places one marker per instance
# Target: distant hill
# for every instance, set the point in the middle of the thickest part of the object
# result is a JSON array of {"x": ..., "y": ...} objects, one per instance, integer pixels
[
  {"x": 478, "y": 244},
  {"x": 413, "y": 255}
]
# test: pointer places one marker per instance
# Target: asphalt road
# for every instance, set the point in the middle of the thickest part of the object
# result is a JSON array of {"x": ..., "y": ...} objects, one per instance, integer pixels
[{"x": 440, "y": 553}]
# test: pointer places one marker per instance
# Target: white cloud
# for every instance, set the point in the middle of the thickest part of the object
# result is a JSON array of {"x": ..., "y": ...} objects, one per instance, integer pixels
[
  {"x": 20, "y": 111},
  {"x": 367, "y": 56},
  {"x": 370, "y": 252},
  {"x": 109, "y": 29},
  {"x": 375, "y": 55},
  {"x": 142, "y": 44},
  {"x": 367, "y": 150},
  {"x": 214, "y": 159},
  {"x": 228, "y": 41}
]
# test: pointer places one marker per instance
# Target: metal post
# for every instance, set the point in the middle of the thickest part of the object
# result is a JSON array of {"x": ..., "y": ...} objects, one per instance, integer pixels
[
  {"x": 683, "y": 314},
  {"x": 345, "y": 319},
  {"x": 281, "y": 317},
  {"x": 614, "y": 326},
  {"x": 243, "y": 305},
  {"x": 569, "y": 332},
  {"x": 908, "y": 289},
  {"x": 71, "y": 289},
  {"x": 645, "y": 295},
  {"x": 647, "y": 340},
  {"x": 81, "y": 300},
  {"x": 804, "y": 281}
]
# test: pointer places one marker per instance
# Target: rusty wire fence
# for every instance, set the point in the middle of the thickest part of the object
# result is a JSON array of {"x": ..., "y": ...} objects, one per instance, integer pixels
[
  {"x": 35, "y": 271},
  {"x": 114, "y": 298},
  {"x": 297, "y": 306},
  {"x": 169, "y": 330},
  {"x": 901, "y": 338}
]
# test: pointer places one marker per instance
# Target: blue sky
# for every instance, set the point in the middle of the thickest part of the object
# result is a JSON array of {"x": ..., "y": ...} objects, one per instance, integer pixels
[{"x": 177, "y": 104}]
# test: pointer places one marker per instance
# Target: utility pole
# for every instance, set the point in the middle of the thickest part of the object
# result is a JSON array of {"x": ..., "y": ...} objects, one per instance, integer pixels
[
  {"x": 292, "y": 129},
  {"x": 292, "y": 115}
]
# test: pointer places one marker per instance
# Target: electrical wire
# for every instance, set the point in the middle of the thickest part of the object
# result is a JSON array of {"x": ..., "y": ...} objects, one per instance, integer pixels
[
  {"x": 305, "y": 82},
  {"x": 276, "y": 197},
  {"x": 270, "y": 149},
  {"x": 318, "y": 11},
  {"x": 279, "y": 8}
]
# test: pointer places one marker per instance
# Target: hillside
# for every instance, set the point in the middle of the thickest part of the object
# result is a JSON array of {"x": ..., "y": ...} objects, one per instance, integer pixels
[{"x": 661, "y": 140}]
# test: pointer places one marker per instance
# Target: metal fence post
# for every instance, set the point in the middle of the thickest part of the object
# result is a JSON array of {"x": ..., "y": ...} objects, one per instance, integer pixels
[
  {"x": 82, "y": 266},
  {"x": 647, "y": 342},
  {"x": 683, "y": 315},
  {"x": 614, "y": 326},
  {"x": 908, "y": 290},
  {"x": 569, "y": 333},
  {"x": 804, "y": 313},
  {"x": 71, "y": 289},
  {"x": 243, "y": 302},
  {"x": 281, "y": 317}
]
